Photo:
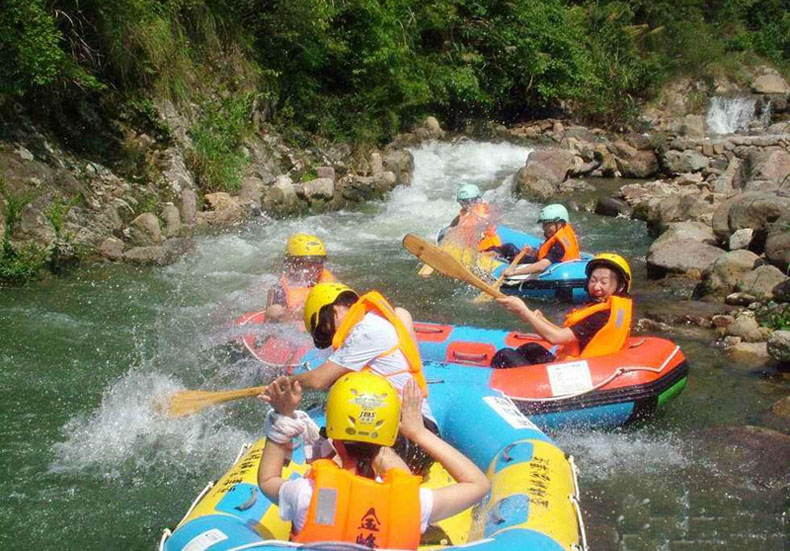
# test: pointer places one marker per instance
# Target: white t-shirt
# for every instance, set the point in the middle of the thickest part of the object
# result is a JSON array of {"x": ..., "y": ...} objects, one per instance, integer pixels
[
  {"x": 295, "y": 496},
  {"x": 368, "y": 339}
]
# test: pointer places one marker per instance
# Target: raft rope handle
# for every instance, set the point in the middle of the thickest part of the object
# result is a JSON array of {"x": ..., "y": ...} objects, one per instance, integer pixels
[
  {"x": 576, "y": 504},
  {"x": 617, "y": 372},
  {"x": 165, "y": 536}
]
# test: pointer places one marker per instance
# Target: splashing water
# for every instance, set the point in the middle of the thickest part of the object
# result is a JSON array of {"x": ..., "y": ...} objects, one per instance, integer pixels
[{"x": 731, "y": 114}]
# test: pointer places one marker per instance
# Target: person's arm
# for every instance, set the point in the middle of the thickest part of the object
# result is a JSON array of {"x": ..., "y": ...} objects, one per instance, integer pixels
[
  {"x": 284, "y": 395},
  {"x": 322, "y": 376},
  {"x": 407, "y": 320},
  {"x": 471, "y": 483},
  {"x": 534, "y": 268},
  {"x": 543, "y": 327}
]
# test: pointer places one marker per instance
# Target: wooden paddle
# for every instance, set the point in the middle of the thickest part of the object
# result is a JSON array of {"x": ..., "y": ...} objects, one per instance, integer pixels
[
  {"x": 444, "y": 263},
  {"x": 425, "y": 271},
  {"x": 485, "y": 297},
  {"x": 189, "y": 401}
]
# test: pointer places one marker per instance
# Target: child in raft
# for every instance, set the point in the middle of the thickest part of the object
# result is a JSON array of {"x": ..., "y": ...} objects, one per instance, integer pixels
[
  {"x": 475, "y": 220},
  {"x": 368, "y": 496},
  {"x": 303, "y": 268},
  {"x": 367, "y": 334},
  {"x": 597, "y": 329},
  {"x": 561, "y": 244}
]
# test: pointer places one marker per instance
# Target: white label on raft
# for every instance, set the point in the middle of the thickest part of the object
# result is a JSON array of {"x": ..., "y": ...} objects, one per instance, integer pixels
[
  {"x": 569, "y": 378},
  {"x": 205, "y": 540},
  {"x": 508, "y": 411}
]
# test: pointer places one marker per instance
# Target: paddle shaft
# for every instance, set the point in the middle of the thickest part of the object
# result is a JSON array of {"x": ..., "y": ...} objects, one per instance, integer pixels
[
  {"x": 189, "y": 401},
  {"x": 483, "y": 297},
  {"x": 444, "y": 263}
]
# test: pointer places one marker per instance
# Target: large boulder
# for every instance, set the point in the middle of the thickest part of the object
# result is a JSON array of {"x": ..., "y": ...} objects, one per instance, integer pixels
[
  {"x": 145, "y": 230},
  {"x": 766, "y": 169},
  {"x": 728, "y": 270},
  {"x": 634, "y": 163},
  {"x": 319, "y": 188},
  {"x": 544, "y": 172},
  {"x": 756, "y": 210},
  {"x": 611, "y": 206},
  {"x": 401, "y": 163},
  {"x": 677, "y": 208},
  {"x": 770, "y": 84},
  {"x": 777, "y": 243},
  {"x": 172, "y": 219},
  {"x": 678, "y": 162},
  {"x": 673, "y": 253},
  {"x": 761, "y": 281},
  {"x": 281, "y": 195},
  {"x": 747, "y": 328},
  {"x": 779, "y": 346}
]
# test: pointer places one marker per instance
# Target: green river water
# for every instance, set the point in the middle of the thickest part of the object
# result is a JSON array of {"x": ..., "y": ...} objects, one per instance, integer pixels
[{"x": 87, "y": 462}]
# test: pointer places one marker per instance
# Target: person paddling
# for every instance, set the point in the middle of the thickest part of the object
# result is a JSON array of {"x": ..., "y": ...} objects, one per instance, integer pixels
[
  {"x": 366, "y": 334},
  {"x": 474, "y": 221},
  {"x": 305, "y": 256},
  {"x": 599, "y": 328},
  {"x": 561, "y": 244},
  {"x": 369, "y": 498}
]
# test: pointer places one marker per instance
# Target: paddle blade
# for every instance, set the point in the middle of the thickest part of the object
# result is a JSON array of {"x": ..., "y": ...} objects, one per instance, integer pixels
[
  {"x": 425, "y": 271},
  {"x": 444, "y": 263},
  {"x": 483, "y": 297},
  {"x": 187, "y": 402}
]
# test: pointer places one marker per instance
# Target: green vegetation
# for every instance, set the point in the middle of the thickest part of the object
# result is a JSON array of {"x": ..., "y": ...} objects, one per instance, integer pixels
[
  {"x": 17, "y": 264},
  {"x": 363, "y": 69}
]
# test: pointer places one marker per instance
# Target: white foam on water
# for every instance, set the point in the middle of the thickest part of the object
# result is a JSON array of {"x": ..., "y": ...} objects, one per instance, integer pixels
[
  {"x": 127, "y": 432},
  {"x": 605, "y": 455},
  {"x": 730, "y": 114}
]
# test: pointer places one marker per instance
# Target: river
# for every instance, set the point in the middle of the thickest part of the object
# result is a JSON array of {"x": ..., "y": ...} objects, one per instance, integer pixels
[{"x": 88, "y": 463}]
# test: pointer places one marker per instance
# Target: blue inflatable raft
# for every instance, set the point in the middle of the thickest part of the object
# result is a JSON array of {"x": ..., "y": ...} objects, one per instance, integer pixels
[{"x": 533, "y": 503}]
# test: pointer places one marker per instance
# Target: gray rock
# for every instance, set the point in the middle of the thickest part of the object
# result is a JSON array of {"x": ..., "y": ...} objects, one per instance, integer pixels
[
  {"x": 761, "y": 281},
  {"x": 677, "y": 208},
  {"x": 320, "y": 188},
  {"x": 146, "y": 255},
  {"x": 680, "y": 255},
  {"x": 189, "y": 208},
  {"x": 146, "y": 230},
  {"x": 782, "y": 292},
  {"x": 678, "y": 162},
  {"x": 401, "y": 163},
  {"x": 611, "y": 206},
  {"x": 779, "y": 346},
  {"x": 329, "y": 172},
  {"x": 728, "y": 270},
  {"x": 781, "y": 408},
  {"x": 639, "y": 164},
  {"x": 740, "y": 299},
  {"x": 376, "y": 164},
  {"x": 111, "y": 248},
  {"x": 747, "y": 328},
  {"x": 777, "y": 244},
  {"x": 756, "y": 210},
  {"x": 752, "y": 353},
  {"x": 544, "y": 171},
  {"x": 172, "y": 219},
  {"x": 283, "y": 193},
  {"x": 767, "y": 169},
  {"x": 251, "y": 189},
  {"x": 741, "y": 238}
]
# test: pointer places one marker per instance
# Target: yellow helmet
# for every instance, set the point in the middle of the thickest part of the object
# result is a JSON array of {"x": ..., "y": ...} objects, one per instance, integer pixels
[
  {"x": 614, "y": 262},
  {"x": 320, "y": 295},
  {"x": 303, "y": 244},
  {"x": 363, "y": 407}
]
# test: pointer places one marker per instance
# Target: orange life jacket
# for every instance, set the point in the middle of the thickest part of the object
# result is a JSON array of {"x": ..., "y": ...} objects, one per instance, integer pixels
[
  {"x": 567, "y": 237},
  {"x": 295, "y": 295},
  {"x": 611, "y": 338},
  {"x": 354, "y": 509},
  {"x": 375, "y": 302},
  {"x": 476, "y": 214}
]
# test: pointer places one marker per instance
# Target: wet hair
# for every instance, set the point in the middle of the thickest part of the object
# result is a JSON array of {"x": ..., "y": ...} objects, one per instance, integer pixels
[
  {"x": 325, "y": 328},
  {"x": 364, "y": 453}
]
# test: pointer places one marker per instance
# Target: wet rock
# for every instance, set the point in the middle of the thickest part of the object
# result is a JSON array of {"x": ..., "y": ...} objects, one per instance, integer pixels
[
  {"x": 679, "y": 255},
  {"x": 570, "y": 186},
  {"x": 647, "y": 325},
  {"x": 747, "y": 328},
  {"x": 189, "y": 208},
  {"x": 782, "y": 292},
  {"x": 756, "y": 210},
  {"x": 689, "y": 312},
  {"x": 429, "y": 129},
  {"x": 545, "y": 170},
  {"x": 282, "y": 193},
  {"x": 678, "y": 162},
  {"x": 740, "y": 299},
  {"x": 611, "y": 206},
  {"x": 177, "y": 247},
  {"x": 224, "y": 210},
  {"x": 761, "y": 281},
  {"x": 320, "y": 188},
  {"x": 751, "y": 353},
  {"x": 172, "y": 219},
  {"x": 111, "y": 248},
  {"x": 728, "y": 270},
  {"x": 740, "y": 239},
  {"x": 401, "y": 163},
  {"x": 777, "y": 243},
  {"x": 250, "y": 190},
  {"x": 145, "y": 230},
  {"x": 637, "y": 164},
  {"x": 146, "y": 255},
  {"x": 376, "y": 163},
  {"x": 678, "y": 208},
  {"x": 779, "y": 346},
  {"x": 770, "y": 84},
  {"x": 721, "y": 322}
]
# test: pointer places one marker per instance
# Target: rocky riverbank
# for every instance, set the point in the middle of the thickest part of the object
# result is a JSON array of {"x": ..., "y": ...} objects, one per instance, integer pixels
[{"x": 60, "y": 206}]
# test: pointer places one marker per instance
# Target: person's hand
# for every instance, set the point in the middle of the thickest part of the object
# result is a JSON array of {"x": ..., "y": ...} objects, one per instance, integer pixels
[
  {"x": 528, "y": 249},
  {"x": 411, "y": 423},
  {"x": 513, "y": 304},
  {"x": 284, "y": 395},
  {"x": 507, "y": 272},
  {"x": 275, "y": 312}
]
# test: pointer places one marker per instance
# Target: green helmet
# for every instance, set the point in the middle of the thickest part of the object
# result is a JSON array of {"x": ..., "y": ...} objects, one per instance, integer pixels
[
  {"x": 553, "y": 213},
  {"x": 468, "y": 192}
]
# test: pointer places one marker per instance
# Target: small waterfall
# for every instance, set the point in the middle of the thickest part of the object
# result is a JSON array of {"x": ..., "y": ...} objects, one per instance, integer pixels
[{"x": 731, "y": 114}]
